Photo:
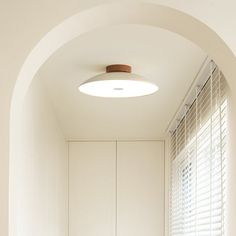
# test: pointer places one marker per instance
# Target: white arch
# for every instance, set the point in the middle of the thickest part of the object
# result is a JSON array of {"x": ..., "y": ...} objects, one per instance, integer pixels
[
  {"x": 122, "y": 13},
  {"x": 125, "y": 13}
]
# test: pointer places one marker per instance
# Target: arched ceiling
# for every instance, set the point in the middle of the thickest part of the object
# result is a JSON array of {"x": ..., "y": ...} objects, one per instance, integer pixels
[{"x": 163, "y": 57}]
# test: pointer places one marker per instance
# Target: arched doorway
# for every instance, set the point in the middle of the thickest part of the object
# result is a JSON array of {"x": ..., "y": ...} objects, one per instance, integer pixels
[{"x": 114, "y": 14}]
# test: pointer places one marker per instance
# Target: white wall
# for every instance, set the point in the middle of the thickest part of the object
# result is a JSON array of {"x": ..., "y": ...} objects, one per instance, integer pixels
[
  {"x": 140, "y": 188},
  {"x": 38, "y": 193}
]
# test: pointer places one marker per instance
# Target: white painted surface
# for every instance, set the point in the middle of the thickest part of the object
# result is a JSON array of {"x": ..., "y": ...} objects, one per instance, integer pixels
[
  {"x": 152, "y": 52},
  {"x": 38, "y": 193},
  {"x": 91, "y": 188},
  {"x": 141, "y": 188},
  {"x": 167, "y": 184}
]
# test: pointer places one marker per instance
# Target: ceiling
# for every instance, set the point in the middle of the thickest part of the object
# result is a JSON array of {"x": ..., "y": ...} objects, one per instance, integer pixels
[{"x": 161, "y": 56}]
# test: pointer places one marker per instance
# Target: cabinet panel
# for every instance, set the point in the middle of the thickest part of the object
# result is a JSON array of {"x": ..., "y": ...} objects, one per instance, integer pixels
[
  {"x": 140, "y": 200},
  {"x": 92, "y": 188}
]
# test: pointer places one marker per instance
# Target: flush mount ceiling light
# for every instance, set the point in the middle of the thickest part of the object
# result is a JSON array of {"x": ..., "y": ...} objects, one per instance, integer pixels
[{"x": 118, "y": 82}]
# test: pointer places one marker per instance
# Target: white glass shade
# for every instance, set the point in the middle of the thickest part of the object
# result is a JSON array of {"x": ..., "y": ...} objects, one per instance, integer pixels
[{"x": 117, "y": 85}]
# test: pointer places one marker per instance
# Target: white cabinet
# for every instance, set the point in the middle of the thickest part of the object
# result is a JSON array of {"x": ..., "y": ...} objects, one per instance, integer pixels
[
  {"x": 140, "y": 188},
  {"x": 91, "y": 188}
]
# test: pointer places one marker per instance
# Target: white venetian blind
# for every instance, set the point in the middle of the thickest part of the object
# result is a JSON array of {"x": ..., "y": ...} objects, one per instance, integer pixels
[{"x": 198, "y": 170}]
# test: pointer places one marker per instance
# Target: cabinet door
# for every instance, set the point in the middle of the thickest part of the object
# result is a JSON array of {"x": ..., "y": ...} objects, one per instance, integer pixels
[
  {"x": 92, "y": 188},
  {"x": 140, "y": 202}
]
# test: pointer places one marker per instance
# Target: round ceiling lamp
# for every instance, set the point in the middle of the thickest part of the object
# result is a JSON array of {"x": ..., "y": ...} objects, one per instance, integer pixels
[{"x": 118, "y": 82}]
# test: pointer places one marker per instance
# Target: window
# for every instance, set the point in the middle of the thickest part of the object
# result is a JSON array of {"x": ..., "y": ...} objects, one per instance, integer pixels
[{"x": 198, "y": 168}]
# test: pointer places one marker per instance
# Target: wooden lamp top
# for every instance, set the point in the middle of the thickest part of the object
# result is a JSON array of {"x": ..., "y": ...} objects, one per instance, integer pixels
[{"x": 118, "y": 68}]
